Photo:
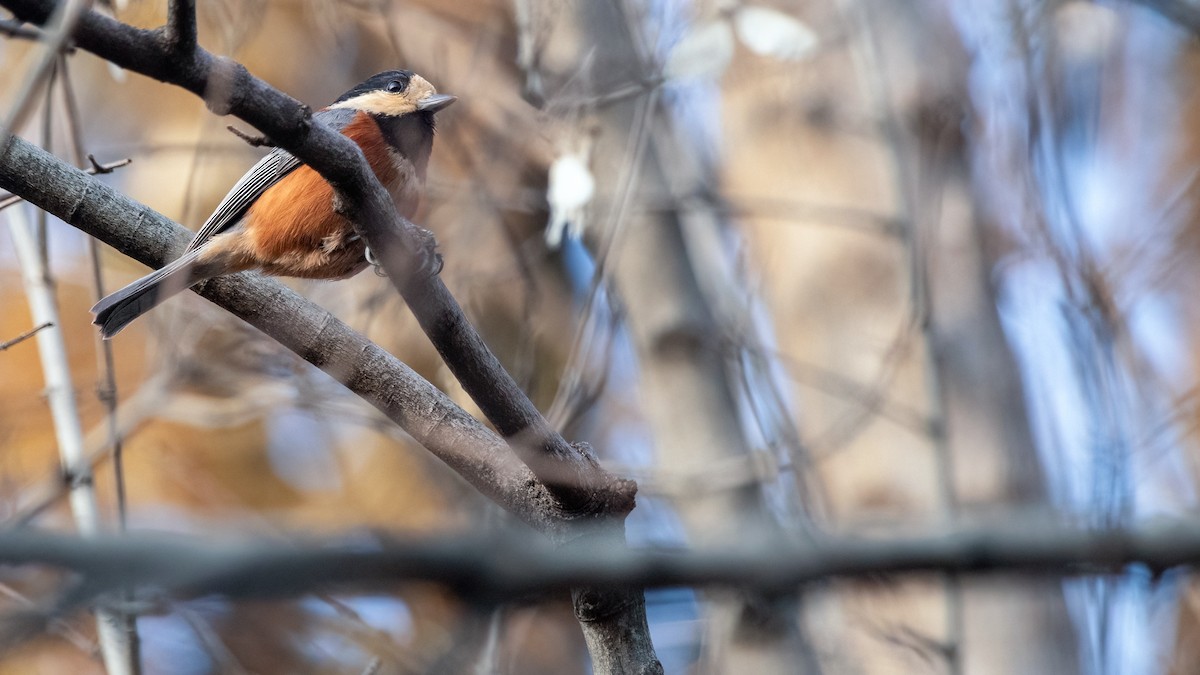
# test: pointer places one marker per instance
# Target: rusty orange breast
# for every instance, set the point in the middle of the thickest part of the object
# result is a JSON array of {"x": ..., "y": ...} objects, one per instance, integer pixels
[{"x": 293, "y": 228}]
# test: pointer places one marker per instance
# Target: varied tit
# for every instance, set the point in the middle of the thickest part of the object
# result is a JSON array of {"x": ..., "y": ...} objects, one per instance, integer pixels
[{"x": 280, "y": 218}]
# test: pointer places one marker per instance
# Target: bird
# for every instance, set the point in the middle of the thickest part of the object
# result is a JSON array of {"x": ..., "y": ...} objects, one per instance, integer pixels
[{"x": 281, "y": 217}]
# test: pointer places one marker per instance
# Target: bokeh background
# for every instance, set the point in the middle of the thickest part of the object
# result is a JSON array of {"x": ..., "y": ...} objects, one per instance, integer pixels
[{"x": 855, "y": 266}]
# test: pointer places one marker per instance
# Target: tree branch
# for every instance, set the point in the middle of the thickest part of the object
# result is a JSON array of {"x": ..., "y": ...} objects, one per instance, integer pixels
[
  {"x": 493, "y": 568},
  {"x": 18, "y": 29},
  {"x": 24, "y": 336},
  {"x": 7, "y": 200},
  {"x": 119, "y": 648},
  {"x": 1182, "y": 12},
  {"x": 179, "y": 35},
  {"x": 418, "y": 407}
]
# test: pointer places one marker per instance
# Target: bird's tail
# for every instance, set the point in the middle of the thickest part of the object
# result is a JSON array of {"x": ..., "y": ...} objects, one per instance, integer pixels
[{"x": 120, "y": 308}]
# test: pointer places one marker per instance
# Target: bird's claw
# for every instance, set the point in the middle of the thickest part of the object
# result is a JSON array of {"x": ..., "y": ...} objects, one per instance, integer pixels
[{"x": 430, "y": 262}]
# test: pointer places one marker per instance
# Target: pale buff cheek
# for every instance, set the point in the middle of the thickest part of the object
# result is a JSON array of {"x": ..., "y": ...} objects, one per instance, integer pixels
[{"x": 383, "y": 103}]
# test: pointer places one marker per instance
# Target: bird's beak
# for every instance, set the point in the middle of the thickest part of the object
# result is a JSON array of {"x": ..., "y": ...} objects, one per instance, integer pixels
[{"x": 435, "y": 103}]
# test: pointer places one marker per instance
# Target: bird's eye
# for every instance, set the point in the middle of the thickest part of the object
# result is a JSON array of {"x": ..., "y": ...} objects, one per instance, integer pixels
[{"x": 396, "y": 86}]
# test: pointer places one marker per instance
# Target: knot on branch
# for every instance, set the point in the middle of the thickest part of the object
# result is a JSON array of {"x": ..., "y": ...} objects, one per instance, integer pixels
[
  {"x": 586, "y": 452},
  {"x": 584, "y": 489},
  {"x": 593, "y": 603},
  {"x": 74, "y": 479},
  {"x": 224, "y": 85}
]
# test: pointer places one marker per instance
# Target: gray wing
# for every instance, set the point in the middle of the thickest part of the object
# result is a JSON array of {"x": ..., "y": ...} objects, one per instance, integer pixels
[{"x": 268, "y": 171}]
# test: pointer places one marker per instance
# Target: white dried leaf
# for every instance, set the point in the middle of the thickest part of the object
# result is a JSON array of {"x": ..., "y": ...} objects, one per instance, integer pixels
[
  {"x": 705, "y": 51},
  {"x": 769, "y": 32},
  {"x": 571, "y": 187}
]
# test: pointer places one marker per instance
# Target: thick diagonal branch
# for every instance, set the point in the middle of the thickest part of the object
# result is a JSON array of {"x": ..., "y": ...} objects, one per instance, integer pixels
[{"x": 422, "y": 410}]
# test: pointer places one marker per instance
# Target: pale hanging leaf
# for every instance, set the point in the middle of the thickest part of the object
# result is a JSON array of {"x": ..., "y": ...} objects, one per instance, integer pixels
[
  {"x": 571, "y": 188},
  {"x": 705, "y": 51},
  {"x": 769, "y": 32}
]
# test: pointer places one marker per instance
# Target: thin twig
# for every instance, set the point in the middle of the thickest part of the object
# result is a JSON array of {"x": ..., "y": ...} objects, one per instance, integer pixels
[
  {"x": 221, "y": 655},
  {"x": 24, "y": 336},
  {"x": 58, "y": 29},
  {"x": 117, "y": 647},
  {"x": 18, "y": 29},
  {"x": 106, "y": 388},
  {"x": 63, "y": 628},
  {"x": 918, "y": 245},
  {"x": 253, "y": 141},
  {"x": 8, "y": 200}
]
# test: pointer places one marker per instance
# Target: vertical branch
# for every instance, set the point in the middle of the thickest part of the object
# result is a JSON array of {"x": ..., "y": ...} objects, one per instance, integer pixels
[
  {"x": 60, "y": 393},
  {"x": 916, "y": 252},
  {"x": 56, "y": 32},
  {"x": 180, "y": 34},
  {"x": 683, "y": 365},
  {"x": 106, "y": 388},
  {"x": 43, "y": 240}
]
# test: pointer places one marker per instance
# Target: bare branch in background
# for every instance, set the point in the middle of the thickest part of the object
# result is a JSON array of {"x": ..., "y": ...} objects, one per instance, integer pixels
[
  {"x": 918, "y": 238},
  {"x": 18, "y": 29},
  {"x": 106, "y": 387},
  {"x": 24, "y": 336},
  {"x": 118, "y": 646},
  {"x": 1182, "y": 12},
  {"x": 59, "y": 22},
  {"x": 491, "y": 567}
]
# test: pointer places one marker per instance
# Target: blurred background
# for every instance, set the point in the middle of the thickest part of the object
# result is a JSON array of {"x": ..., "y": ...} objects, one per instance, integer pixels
[{"x": 858, "y": 266}]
